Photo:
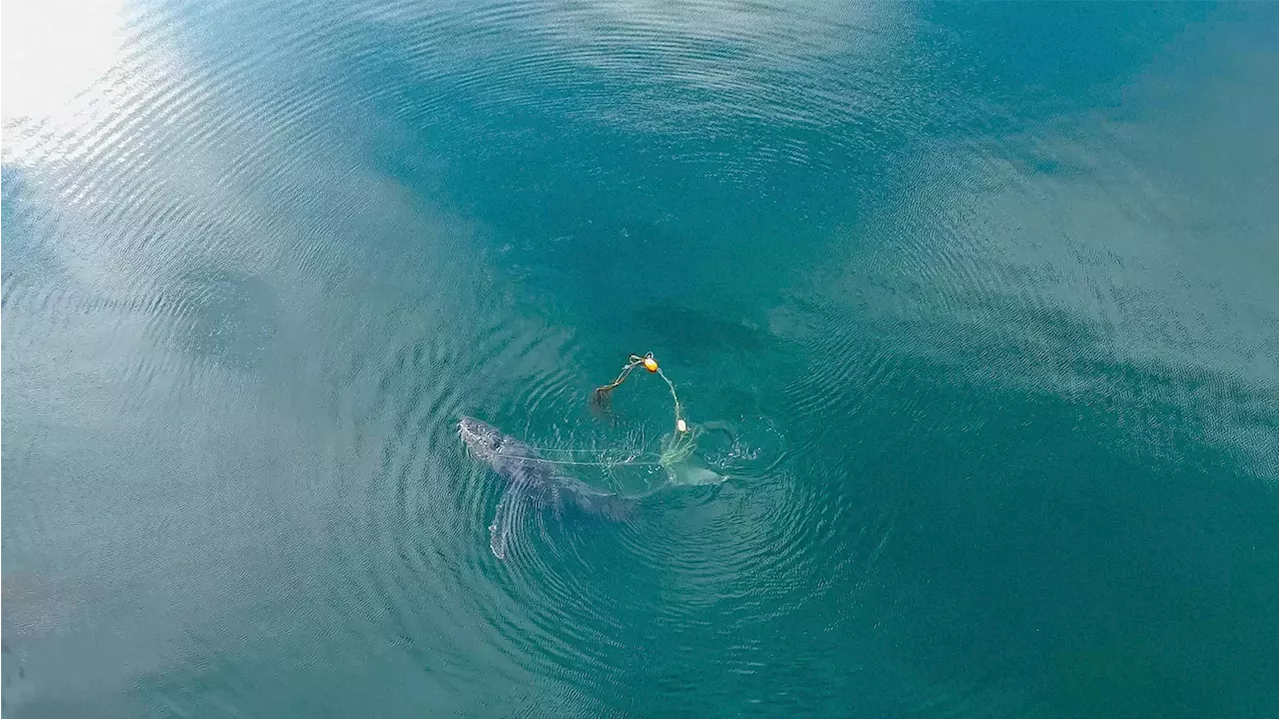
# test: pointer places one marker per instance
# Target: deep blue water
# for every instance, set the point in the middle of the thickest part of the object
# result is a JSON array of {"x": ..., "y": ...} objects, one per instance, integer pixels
[{"x": 973, "y": 309}]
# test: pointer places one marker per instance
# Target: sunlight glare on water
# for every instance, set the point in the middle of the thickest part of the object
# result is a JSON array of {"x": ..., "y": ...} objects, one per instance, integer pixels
[{"x": 970, "y": 309}]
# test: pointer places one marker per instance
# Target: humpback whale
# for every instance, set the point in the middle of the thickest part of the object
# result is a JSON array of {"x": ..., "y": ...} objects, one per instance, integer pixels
[{"x": 531, "y": 479}]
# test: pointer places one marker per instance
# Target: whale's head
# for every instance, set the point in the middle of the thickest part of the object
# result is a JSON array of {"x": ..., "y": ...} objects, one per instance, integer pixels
[{"x": 483, "y": 439}]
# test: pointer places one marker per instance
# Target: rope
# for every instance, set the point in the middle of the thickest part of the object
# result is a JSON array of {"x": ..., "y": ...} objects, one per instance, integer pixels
[
  {"x": 628, "y": 462},
  {"x": 622, "y": 376},
  {"x": 674, "y": 399},
  {"x": 601, "y": 395}
]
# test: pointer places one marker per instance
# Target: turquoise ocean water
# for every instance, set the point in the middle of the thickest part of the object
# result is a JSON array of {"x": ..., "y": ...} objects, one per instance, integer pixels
[{"x": 973, "y": 308}]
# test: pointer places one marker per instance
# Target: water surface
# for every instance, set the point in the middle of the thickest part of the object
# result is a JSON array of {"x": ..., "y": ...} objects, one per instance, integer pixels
[{"x": 976, "y": 305}]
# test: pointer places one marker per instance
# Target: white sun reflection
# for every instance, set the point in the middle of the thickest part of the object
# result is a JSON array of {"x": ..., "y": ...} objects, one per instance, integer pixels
[{"x": 53, "y": 52}]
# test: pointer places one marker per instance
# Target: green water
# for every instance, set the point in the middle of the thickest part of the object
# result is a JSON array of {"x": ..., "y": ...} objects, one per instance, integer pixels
[{"x": 972, "y": 307}]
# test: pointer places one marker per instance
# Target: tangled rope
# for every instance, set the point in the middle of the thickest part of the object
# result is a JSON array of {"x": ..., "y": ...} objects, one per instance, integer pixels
[{"x": 601, "y": 395}]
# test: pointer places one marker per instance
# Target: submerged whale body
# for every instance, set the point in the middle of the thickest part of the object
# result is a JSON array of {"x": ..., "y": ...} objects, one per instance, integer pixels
[{"x": 531, "y": 478}]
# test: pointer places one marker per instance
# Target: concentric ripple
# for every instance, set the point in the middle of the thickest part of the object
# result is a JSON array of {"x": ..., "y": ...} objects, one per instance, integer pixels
[{"x": 968, "y": 322}]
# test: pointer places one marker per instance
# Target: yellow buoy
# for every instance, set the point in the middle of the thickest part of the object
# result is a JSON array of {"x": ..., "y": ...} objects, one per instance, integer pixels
[{"x": 651, "y": 364}]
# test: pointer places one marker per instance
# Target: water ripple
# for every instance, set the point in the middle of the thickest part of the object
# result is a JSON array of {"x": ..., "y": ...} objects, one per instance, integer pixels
[{"x": 262, "y": 260}]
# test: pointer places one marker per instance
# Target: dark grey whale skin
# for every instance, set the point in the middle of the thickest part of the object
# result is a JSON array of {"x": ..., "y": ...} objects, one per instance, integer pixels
[{"x": 530, "y": 477}]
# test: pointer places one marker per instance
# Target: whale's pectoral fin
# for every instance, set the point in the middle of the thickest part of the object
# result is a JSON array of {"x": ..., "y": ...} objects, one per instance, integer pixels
[{"x": 504, "y": 521}]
